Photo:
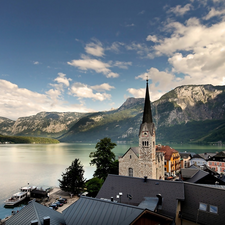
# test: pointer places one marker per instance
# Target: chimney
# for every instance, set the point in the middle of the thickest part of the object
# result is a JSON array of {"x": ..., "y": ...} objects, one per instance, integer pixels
[
  {"x": 46, "y": 220},
  {"x": 34, "y": 222},
  {"x": 111, "y": 199},
  {"x": 145, "y": 179},
  {"x": 159, "y": 196}
]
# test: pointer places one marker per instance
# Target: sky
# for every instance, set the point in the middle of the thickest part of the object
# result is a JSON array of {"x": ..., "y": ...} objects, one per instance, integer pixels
[{"x": 91, "y": 55}]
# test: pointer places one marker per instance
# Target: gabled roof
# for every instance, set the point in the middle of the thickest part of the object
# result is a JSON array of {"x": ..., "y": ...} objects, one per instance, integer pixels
[
  {"x": 167, "y": 150},
  {"x": 96, "y": 211},
  {"x": 134, "y": 149},
  {"x": 138, "y": 189},
  {"x": 35, "y": 211},
  {"x": 207, "y": 155},
  {"x": 198, "y": 176},
  {"x": 188, "y": 172},
  {"x": 220, "y": 155}
]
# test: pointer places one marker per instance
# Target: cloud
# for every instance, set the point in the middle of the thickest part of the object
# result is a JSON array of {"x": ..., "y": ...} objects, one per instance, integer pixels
[
  {"x": 95, "y": 48},
  {"x": 36, "y": 62},
  {"x": 137, "y": 93},
  {"x": 19, "y": 102},
  {"x": 142, "y": 12},
  {"x": 213, "y": 12},
  {"x": 115, "y": 47},
  {"x": 152, "y": 38},
  {"x": 179, "y": 10},
  {"x": 140, "y": 48},
  {"x": 98, "y": 66},
  {"x": 122, "y": 65},
  {"x": 102, "y": 87},
  {"x": 62, "y": 79},
  {"x": 83, "y": 91}
]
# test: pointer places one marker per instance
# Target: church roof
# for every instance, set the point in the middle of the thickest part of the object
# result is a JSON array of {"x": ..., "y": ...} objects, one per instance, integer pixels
[
  {"x": 147, "y": 114},
  {"x": 134, "y": 149},
  {"x": 167, "y": 150}
]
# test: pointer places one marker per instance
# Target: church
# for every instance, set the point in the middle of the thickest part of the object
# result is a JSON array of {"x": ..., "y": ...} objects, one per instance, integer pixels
[{"x": 144, "y": 160}]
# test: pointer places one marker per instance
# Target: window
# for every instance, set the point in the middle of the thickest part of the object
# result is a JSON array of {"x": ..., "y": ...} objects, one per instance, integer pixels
[
  {"x": 165, "y": 163},
  {"x": 130, "y": 156},
  {"x": 130, "y": 171},
  {"x": 202, "y": 206},
  {"x": 213, "y": 209}
]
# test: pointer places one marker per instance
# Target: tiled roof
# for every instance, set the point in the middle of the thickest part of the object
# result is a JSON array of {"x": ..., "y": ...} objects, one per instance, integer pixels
[
  {"x": 196, "y": 194},
  {"x": 167, "y": 150},
  {"x": 35, "y": 211},
  {"x": 138, "y": 189},
  {"x": 188, "y": 172},
  {"x": 95, "y": 211}
]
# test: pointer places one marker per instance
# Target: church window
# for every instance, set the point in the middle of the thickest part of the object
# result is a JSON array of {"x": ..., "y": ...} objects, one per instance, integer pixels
[
  {"x": 130, "y": 171},
  {"x": 143, "y": 143},
  {"x": 147, "y": 143},
  {"x": 153, "y": 144},
  {"x": 130, "y": 156}
]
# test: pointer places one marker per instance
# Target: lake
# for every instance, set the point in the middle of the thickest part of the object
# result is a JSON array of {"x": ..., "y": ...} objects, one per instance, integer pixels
[{"x": 42, "y": 165}]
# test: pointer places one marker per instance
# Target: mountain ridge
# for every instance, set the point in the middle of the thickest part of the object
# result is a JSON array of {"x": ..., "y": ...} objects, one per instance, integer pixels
[{"x": 185, "y": 105}]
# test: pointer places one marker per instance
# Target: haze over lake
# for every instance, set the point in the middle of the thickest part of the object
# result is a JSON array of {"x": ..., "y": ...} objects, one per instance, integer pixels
[{"x": 42, "y": 165}]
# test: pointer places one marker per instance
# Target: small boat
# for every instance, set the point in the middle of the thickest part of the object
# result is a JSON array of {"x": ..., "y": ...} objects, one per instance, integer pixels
[{"x": 16, "y": 198}]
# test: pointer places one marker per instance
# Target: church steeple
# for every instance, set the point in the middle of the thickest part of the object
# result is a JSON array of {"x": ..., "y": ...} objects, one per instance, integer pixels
[{"x": 147, "y": 114}]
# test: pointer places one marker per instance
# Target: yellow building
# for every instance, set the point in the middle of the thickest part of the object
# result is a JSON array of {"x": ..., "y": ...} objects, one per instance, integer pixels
[{"x": 172, "y": 159}]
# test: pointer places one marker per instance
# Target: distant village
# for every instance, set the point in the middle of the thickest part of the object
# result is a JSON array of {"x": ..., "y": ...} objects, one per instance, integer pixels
[{"x": 155, "y": 185}]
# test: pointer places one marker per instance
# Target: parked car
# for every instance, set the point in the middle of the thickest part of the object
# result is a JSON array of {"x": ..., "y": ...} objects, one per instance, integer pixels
[
  {"x": 59, "y": 204},
  {"x": 62, "y": 200},
  {"x": 54, "y": 206}
]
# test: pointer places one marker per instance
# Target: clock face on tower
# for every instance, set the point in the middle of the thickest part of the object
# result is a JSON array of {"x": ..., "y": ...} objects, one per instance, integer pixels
[{"x": 144, "y": 133}]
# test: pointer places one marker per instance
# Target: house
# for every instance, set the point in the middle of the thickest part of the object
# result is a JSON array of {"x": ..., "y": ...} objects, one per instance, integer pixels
[
  {"x": 185, "y": 157},
  {"x": 172, "y": 163},
  {"x": 187, "y": 203},
  {"x": 198, "y": 160},
  {"x": 36, "y": 214},
  {"x": 195, "y": 174},
  {"x": 98, "y": 211},
  {"x": 144, "y": 161},
  {"x": 217, "y": 162}
]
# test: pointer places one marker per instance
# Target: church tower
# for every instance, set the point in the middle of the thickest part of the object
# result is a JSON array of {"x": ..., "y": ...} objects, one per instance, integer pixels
[
  {"x": 144, "y": 161},
  {"x": 147, "y": 140}
]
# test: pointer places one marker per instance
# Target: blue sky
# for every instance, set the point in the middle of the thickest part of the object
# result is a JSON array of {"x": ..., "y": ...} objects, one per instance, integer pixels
[{"x": 91, "y": 55}]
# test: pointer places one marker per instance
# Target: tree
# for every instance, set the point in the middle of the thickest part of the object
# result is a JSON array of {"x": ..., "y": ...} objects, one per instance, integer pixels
[
  {"x": 103, "y": 158},
  {"x": 73, "y": 179},
  {"x": 93, "y": 186}
]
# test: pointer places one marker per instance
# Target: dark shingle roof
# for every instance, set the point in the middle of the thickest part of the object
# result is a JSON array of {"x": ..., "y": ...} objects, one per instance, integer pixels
[
  {"x": 95, "y": 211},
  {"x": 138, "y": 189},
  {"x": 188, "y": 172},
  {"x": 35, "y": 211},
  {"x": 198, "y": 176},
  {"x": 196, "y": 193}
]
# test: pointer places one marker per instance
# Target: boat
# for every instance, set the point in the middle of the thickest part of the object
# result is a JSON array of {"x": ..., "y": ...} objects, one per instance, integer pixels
[{"x": 15, "y": 199}]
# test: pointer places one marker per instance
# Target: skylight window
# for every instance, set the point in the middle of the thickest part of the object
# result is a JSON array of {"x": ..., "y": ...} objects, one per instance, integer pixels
[
  {"x": 202, "y": 206},
  {"x": 213, "y": 209}
]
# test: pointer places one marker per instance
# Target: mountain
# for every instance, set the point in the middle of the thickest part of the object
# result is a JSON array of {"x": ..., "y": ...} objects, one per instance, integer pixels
[
  {"x": 43, "y": 124},
  {"x": 193, "y": 113},
  {"x": 190, "y": 113}
]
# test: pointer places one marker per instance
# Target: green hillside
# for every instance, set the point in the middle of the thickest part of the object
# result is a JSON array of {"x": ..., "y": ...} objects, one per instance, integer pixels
[{"x": 28, "y": 140}]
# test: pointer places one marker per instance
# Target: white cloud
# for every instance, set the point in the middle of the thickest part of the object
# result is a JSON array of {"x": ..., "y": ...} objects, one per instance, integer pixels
[
  {"x": 179, "y": 10},
  {"x": 19, "y": 102},
  {"x": 102, "y": 87},
  {"x": 122, "y": 65},
  {"x": 98, "y": 66},
  {"x": 152, "y": 38},
  {"x": 115, "y": 47},
  {"x": 36, "y": 62},
  {"x": 213, "y": 12},
  {"x": 62, "y": 79},
  {"x": 83, "y": 91},
  {"x": 137, "y": 93},
  {"x": 95, "y": 48}
]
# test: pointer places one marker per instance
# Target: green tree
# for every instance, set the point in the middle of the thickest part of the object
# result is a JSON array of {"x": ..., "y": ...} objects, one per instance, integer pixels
[
  {"x": 93, "y": 186},
  {"x": 73, "y": 179},
  {"x": 103, "y": 158}
]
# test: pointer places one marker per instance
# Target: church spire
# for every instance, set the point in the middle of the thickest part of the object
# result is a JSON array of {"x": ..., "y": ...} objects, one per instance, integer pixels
[{"x": 147, "y": 115}]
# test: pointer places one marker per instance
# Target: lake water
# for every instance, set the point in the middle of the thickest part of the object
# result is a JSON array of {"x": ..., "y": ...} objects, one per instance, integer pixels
[{"x": 42, "y": 165}]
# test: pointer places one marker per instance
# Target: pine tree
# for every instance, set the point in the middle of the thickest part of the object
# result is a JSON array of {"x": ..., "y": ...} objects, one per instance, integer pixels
[
  {"x": 103, "y": 158},
  {"x": 73, "y": 179}
]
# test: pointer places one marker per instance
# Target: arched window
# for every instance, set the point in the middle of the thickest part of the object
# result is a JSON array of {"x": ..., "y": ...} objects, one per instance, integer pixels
[
  {"x": 143, "y": 143},
  {"x": 130, "y": 171},
  {"x": 147, "y": 143},
  {"x": 130, "y": 156}
]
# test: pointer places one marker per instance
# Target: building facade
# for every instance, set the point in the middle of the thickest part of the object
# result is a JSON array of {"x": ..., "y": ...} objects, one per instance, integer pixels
[
  {"x": 144, "y": 161},
  {"x": 172, "y": 163}
]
